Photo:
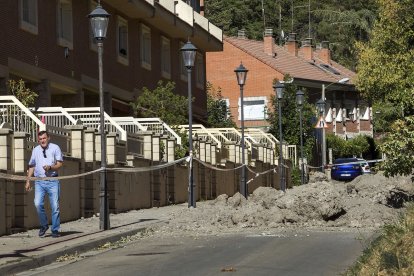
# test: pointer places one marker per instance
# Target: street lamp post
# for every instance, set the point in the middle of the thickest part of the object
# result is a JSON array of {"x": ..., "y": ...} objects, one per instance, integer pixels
[
  {"x": 241, "y": 74},
  {"x": 299, "y": 101},
  {"x": 324, "y": 87},
  {"x": 189, "y": 52},
  {"x": 99, "y": 22},
  {"x": 279, "y": 87},
  {"x": 321, "y": 109}
]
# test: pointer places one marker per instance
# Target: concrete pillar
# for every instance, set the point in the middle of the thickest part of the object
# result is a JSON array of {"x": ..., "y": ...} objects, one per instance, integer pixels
[
  {"x": 268, "y": 155},
  {"x": 147, "y": 144},
  {"x": 24, "y": 212},
  {"x": 89, "y": 145},
  {"x": 6, "y": 208},
  {"x": 3, "y": 86},
  {"x": 98, "y": 146},
  {"x": 202, "y": 150},
  {"x": 21, "y": 155},
  {"x": 108, "y": 102},
  {"x": 5, "y": 147},
  {"x": 164, "y": 148},
  {"x": 213, "y": 154},
  {"x": 232, "y": 152},
  {"x": 111, "y": 148},
  {"x": 171, "y": 149},
  {"x": 260, "y": 154},
  {"x": 77, "y": 99},
  {"x": 208, "y": 152},
  {"x": 156, "y": 154},
  {"x": 77, "y": 137},
  {"x": 44, "y": 92}
]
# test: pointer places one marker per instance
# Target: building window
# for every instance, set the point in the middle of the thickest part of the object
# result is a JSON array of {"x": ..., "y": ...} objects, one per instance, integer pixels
[
  {"x": 199, "y": 65},
  {"x": 65, "y": 23},
  {"x": 165, "y": 57},
  {"x": 364, "y": 113},
  {"x": 122, "y": 38},
  {"x": 254, "y": 108},
  {"x": 28, "y": 15},
  {"x": 92, "y": 41},
  {"x": 145, "y": 43}
]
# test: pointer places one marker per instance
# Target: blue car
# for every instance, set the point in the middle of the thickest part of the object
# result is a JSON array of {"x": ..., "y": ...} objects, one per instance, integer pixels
[{"x": 346, "y": 169}]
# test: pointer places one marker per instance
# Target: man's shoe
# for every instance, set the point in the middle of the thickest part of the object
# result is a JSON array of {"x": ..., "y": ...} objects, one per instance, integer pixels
[
  {"x": 55, "y": 234},
  {"x": 43, "y": 230}
]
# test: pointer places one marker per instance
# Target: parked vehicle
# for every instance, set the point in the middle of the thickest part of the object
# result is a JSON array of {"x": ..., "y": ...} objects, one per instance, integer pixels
[
  {"x": 346, "y": 169},
  {"x": 364, "y": 166}
]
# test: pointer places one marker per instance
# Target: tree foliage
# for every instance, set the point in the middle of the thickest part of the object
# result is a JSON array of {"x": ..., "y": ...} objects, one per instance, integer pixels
[
  {"x": 356, "y": 146},
  {"x": 163, "y": 103},
  {"x": 386, "y": 77},
  {"x": 342, "y": 22},
  {"x": 24, "y": 94},
  {"x": 399, "y": 148},
  {"x": 218, "y": 113},
  {"x": 291, "y": 120}
]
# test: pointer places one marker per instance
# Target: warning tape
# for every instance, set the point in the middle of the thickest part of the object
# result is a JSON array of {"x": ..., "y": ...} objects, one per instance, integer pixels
[
  {"x": 126, "y": 170},
  {"x": 357, "y": 162}
]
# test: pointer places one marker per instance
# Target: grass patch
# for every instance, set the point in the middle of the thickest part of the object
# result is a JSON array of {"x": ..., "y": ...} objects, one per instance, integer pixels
[{"x": 392, "y": 253}]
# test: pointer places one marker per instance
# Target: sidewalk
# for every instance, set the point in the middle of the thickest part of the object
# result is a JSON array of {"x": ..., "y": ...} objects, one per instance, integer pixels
[{"x": 24, "y": 251}]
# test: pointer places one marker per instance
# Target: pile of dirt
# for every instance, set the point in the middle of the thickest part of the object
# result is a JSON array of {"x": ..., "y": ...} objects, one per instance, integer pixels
[{"x": 369, "y": 201}]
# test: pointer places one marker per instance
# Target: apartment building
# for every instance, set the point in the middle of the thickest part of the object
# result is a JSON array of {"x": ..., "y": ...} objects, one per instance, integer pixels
[
  {"x": 49, "y": 44},
  {"x": 311, "y": 68}
]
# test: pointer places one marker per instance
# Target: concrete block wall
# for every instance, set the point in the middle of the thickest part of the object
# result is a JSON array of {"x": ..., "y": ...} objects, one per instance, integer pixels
[
  {"x": 127, "y": 191},
  {"x": 6, "y": 201}
]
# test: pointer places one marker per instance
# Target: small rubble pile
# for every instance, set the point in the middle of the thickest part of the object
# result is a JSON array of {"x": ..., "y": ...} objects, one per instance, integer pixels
[{"x": 369, "y": 201}]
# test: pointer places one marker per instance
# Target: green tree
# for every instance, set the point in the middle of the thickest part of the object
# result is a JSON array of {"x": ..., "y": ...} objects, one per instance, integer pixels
[
  {"x": 163, "y": 103},
  {"x": 386, "y": 75},
  {"x": 24, "y": 94},
  {"x": 218, "y": 113},
  {"x": 290, "y": 120},
  {"x": 342, "y": 22},
  {"x": 357, "y": 146}
]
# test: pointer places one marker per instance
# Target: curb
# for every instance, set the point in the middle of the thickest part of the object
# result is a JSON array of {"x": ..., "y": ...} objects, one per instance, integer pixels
[{"x": 50, "y": 257}]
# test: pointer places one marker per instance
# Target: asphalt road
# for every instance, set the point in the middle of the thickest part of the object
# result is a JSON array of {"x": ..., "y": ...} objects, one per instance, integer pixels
[{"x": 307, "y": 253}]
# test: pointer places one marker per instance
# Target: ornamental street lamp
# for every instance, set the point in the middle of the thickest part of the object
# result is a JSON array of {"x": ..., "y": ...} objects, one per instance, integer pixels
[
  {"x": 324, "y": 87},
  {"x": 300, "y": 97},
  {"x": 99, "y": 22},
  {"x": 241, "y": 74},
  {"x": 279, "y": 87},
  {"x": 189, "y": 52}
]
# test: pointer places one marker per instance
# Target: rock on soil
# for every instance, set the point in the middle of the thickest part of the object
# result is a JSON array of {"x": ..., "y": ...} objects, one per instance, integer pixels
[{"x": 369, "y": 201}]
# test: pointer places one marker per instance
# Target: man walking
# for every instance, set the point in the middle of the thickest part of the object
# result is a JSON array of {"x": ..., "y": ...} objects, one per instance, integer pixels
[{"x": 46, "y": 160}]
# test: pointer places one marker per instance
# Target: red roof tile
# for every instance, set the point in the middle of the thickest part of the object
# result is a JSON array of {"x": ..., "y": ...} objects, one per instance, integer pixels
[{"x": 286, "y": 63}]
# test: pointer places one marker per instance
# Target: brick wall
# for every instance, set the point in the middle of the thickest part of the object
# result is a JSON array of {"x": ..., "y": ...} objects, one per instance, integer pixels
[
  {"x": 220, "y": 72},
  {"x": 42, "y": 52}
]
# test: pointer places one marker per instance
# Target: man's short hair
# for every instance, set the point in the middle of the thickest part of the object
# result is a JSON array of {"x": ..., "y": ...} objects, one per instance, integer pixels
[{"x": 43, "y": 132}]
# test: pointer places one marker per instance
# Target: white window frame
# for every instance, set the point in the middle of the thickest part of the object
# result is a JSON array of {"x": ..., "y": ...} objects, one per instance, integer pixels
[
  {"x": 145, "y": 47},
  {"x": 121, "y": 57},
  {"x": 199, "y": 66},
  {"x": 227, "y": 101},
  {"x": 247, "y": 109},
  {"x": 92, "y": 42},
  {"x": 183, "y": 69},
  {"x": 31, "y": 27},
  {"x": 165, "y": 57},
  {"x": 64, "y": 35}
]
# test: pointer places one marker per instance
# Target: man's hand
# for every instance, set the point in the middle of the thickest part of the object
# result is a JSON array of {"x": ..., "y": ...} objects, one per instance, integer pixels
[
  {"x": 27, "y": 186},
  {"x": 47, "y": 167}
]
